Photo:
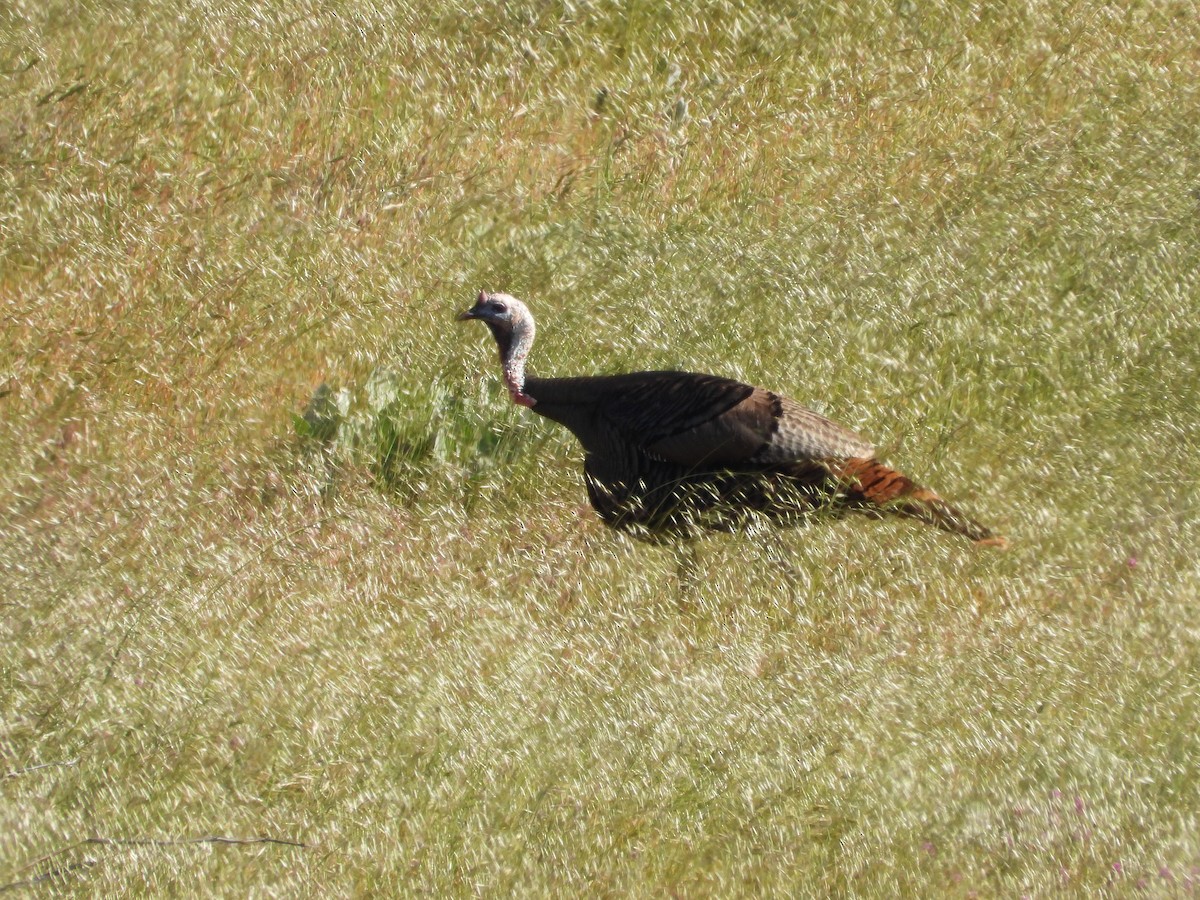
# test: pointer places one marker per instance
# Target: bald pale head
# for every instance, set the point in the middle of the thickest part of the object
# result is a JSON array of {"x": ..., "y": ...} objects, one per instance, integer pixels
[{"x": 512, "y": 326}]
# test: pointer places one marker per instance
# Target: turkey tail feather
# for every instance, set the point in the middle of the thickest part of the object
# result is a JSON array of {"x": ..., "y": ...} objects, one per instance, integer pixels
[{"x": 880, "y": 486}]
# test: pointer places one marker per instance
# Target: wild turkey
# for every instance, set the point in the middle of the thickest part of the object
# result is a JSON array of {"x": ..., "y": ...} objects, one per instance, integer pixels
[{"x": 669, "y": 453}]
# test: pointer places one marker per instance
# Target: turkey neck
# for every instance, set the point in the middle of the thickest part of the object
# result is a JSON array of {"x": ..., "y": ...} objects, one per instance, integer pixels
[{"x": 514, "y": 340}]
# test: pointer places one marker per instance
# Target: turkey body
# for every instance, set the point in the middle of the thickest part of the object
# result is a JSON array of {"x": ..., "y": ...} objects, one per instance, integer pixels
[{"x": 669, "y": 454}]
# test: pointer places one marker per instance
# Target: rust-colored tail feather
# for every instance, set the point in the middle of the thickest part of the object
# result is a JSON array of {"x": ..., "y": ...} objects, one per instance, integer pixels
[{"x": 883, "y": 487}]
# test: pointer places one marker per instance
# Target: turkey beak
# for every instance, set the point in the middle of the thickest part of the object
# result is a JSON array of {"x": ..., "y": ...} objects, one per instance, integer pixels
[{"x": 474, "y": 311}]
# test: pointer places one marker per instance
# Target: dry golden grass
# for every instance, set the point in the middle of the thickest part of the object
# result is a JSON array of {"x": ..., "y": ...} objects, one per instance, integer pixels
[{"x": 969, "y": 232}]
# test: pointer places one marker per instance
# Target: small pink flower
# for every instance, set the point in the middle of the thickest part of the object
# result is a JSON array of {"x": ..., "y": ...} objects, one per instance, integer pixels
[
  {"x": 1117, "y": 868},
  {"x": 1055, "y": 794},
  {"x": 1165, "y": 872},
  {"x": 1079, "y": 805},
  {"x": 1132, "y": 562}
]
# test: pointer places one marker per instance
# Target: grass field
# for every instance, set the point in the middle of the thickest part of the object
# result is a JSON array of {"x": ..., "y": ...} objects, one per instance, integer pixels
[{"x": 404, "y": 650}]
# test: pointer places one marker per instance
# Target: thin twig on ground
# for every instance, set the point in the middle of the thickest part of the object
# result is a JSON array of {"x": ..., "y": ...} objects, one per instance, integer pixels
[
  {"x": 130, "y": 842},
  {"x": 48, "y": 765}
]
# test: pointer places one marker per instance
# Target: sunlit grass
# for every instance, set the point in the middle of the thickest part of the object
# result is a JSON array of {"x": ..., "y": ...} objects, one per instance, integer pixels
[{"x": 970, "y": 233}]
